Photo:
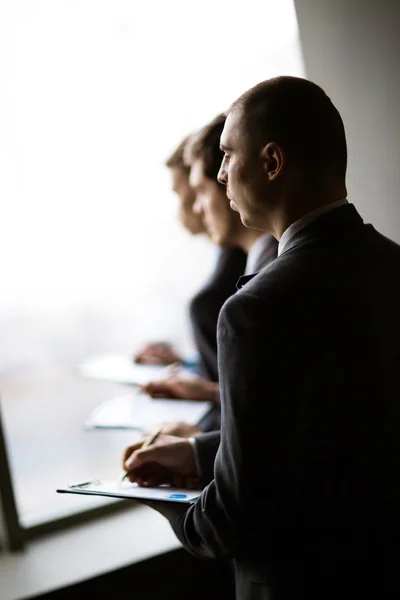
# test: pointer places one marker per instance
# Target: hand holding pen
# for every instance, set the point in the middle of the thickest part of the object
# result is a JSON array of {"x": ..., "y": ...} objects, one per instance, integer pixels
[
  {"x": 171, "y": 461},
  {"x": 148, "y": 442}
]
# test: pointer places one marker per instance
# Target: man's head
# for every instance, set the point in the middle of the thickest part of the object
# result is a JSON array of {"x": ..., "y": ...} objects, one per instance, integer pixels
[
  {"x": 180, "y": 184},
  {"x": 205, "y": 156},
  {"x": 284, "y": 152}
]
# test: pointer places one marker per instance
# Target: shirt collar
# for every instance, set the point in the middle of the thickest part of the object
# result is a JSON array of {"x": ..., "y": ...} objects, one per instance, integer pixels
[
  {"x": 255, "y": 254},
  {"x": 306, "y": 220}
]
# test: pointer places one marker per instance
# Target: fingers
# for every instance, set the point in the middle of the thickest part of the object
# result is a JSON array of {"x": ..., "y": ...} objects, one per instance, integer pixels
[
  {"x": 180, "y": 429},
  {"x": 149, "y": 460},
  {"x": 166, "y": 477},
  {"x": 168, "y": 451},
  {"x": 192, "y": 483},
  {"x": 156, "y": 389},
  {"x": 157, "y": 353},
  {"x": 163, "y": 462},
  {"x": 129, "y": 451},
  {"x": 139, "y": 457},
  {"x": 180, "y": 385},
  {"x": 152, "y": 475},
  {"x": 151, "y": 360},
  {"x": 161, "y": 476}
]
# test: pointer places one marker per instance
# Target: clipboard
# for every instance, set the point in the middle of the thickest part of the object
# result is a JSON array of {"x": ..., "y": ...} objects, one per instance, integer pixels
[{"x": 125, "y": 489}]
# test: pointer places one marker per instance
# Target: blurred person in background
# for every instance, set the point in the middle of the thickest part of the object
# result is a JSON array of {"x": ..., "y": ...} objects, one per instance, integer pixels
[
  {"x": 225, "y": 228},
  {"x": 163, "y": 353},
  {"x": 205, "y": 306}
]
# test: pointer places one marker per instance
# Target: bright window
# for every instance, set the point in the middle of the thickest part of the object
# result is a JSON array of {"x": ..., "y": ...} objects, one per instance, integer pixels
[{"x": 95, "y": 95}]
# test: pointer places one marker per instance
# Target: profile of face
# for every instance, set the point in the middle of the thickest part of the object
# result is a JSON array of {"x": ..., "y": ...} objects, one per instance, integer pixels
[
  {"x": 248, "y": 173},
  {"x": 190, "y": 220},
  {"x": 222, "y": 223}
]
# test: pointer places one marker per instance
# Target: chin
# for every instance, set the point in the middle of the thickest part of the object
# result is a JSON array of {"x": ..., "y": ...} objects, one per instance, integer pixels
[
  {"x": 220, "y": 241},
  {"x": 251, "y": 223},
  {"x": 246, "y": 220},
  {"x": 191, "y": 227}
]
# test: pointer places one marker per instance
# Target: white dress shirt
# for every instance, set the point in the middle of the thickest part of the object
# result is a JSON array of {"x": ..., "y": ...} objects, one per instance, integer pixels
[
  {"x": 306, "y": 220},
  {"x": 258, "y": 255}
]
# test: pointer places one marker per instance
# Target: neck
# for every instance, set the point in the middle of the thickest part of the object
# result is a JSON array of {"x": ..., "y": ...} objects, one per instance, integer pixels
[
  {"x": 247, "y": 237},
  {"x": 297, "y": 205}
]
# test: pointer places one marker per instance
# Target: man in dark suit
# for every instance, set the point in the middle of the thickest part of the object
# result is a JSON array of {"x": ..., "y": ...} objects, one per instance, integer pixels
[{"x": 305, "y": 494}]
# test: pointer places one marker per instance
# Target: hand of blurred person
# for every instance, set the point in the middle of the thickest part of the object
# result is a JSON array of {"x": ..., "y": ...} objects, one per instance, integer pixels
[
  {"x": 157, "y": 353},
  {"x": 183, "y": 386},
  {"x": 178, "y": 429},
  {"x": 170, "y": 460}
]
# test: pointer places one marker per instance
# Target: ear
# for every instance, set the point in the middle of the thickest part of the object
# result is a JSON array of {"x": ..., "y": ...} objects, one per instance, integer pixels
[{"x": 274, "y": 159}]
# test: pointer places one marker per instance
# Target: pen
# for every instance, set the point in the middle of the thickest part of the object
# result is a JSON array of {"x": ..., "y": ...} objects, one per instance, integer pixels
[
  {"x": 170, "y": 370},
  {"x": 150, "y": 440},
  {"x": 173, "y": 367},
  {"x": 165, "y": 373}
]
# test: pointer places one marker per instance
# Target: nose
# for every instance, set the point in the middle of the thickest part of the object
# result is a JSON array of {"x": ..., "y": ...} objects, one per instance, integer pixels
[
  {"x": 222, "y": 173},
  {"x": 197, "y": 207}
]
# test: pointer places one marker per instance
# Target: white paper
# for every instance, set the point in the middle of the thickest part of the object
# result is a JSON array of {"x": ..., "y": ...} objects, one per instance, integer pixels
[
  {"x": 121, "y": 369},
  {"x": 139, "y": 411},
  {"x": 126, "y": 489}
]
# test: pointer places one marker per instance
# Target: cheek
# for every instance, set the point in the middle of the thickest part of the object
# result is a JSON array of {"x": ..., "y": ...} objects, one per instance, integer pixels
[
  {"x": 248, "y": 181},
  {"x": 243, "y": 174},
  {"x": 187, "y": 199},
  {"x": 220, "y": 210},
  {"x": 237, "y": 175}
]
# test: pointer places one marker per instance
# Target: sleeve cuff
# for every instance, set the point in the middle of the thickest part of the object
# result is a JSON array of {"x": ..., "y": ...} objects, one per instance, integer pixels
[{"x": 192, "y": 441}]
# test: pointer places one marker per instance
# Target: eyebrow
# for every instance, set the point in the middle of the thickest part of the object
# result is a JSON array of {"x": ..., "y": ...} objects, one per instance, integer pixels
[{"x": 224, "y": 148}]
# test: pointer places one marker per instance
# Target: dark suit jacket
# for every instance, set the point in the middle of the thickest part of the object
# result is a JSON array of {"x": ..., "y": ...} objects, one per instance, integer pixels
[
  {"x": 305, "y": 496},
  {"x": 206, "y": 305},
  {"x": 204, "y": 310}
]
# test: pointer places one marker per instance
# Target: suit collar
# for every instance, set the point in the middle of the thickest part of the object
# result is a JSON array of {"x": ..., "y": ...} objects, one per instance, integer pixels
[
  {"x": 335, "y": 222},
  {"x": 306, "y": 220},
  {"x": 344, "y": 218}
]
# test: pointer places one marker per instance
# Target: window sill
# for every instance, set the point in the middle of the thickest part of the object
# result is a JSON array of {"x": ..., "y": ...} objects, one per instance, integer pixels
[{"x": 84, "y": 551}]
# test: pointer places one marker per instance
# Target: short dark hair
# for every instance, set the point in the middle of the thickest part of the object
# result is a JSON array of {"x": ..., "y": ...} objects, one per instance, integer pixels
[
  {"x": 176, "y": 159},
  {"x": 205, "y": 145},
  {"x": 298, "y": 114}
]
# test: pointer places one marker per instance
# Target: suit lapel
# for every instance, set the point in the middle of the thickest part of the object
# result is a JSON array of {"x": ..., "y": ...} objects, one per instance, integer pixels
[{"x": 243, "y": 280}]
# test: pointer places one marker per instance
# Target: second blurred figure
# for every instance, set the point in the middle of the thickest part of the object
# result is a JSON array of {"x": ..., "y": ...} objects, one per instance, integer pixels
[{"x": 244, "y": 251}]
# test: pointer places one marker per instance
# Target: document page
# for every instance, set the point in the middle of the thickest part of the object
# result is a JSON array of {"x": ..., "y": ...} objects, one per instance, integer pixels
[
  {"x": 120, "y": 369},
  {"x": 139, "y": 411},
  {"x": 126, "y": 489}
]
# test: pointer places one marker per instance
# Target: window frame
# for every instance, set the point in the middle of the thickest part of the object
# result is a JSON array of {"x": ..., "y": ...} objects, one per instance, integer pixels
[
  {"x": 13, "y": 535},
  {"x": 11, "y": 532}
]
